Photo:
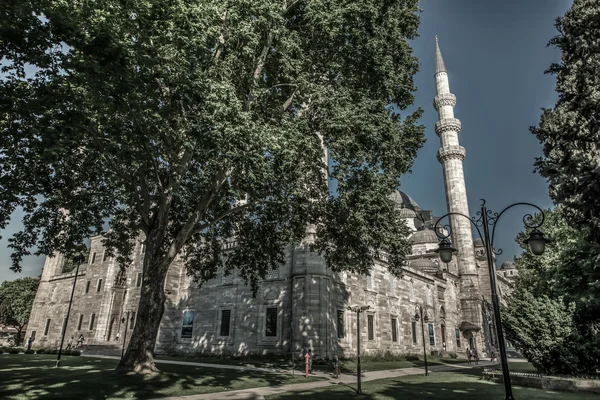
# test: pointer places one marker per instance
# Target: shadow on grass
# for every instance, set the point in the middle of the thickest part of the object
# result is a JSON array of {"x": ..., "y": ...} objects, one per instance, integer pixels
[
  {"x": 461, "y": 385},
  {"x": 35, "y": 377}
]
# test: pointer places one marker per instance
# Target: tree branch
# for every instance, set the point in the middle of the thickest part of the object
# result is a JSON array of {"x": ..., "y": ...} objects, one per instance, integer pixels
[
  {"x": 223, "y": 216},
  {"x": 199, "y": 212},
  {"x": 288, "y": 102},
  {"x": 258, "y": 70}
]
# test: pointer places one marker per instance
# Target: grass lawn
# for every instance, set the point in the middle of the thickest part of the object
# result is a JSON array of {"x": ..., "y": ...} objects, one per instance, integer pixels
[
  {"x": 28, "y": 376},
  {"x": 442, "y": 385}
]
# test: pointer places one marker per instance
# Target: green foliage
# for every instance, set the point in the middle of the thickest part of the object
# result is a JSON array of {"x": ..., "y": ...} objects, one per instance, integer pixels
[
  {"x": 29, "y": 352},
  {"x": 75, "y": 353},
  {"x": 16, "y": 301},
  {"x": 13, "y": 350},
  {"x": 40, "y": 351},
  {"x": 562, "y": 283},
  {"x": 570, "y": 132}
]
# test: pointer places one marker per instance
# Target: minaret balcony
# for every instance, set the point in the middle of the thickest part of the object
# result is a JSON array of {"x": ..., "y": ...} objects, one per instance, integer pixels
[
  {"x": 445, "y": 99},
  {"x": 447, "y": 125},
  {"x": 451, "y": 152}
]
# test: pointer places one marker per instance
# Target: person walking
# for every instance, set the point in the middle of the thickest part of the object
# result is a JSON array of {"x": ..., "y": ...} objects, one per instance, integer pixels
[
  {"x": 310, "y": 361},
  {"x": 493, "y": 357},
  {"x": 29, "y": 343},
  {"x": 118, "y": 336},
  {"x": 476, "y": 356},
  {"x": 70, "y": 343},
  {"x": 80, "y": 340},
  {"x": 469, "y": 356}
]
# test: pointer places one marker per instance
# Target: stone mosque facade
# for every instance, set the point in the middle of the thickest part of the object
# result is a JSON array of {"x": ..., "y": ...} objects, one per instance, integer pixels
[{"x": 302, "y": 304}]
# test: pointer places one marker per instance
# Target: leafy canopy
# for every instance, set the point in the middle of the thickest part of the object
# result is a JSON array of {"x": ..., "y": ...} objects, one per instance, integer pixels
[
  {"x": 16, "y": 300},
  {"x": 553, "y": 315},
  {"x": 570, "y": 132},
  {"x": 199, "y": 121}
]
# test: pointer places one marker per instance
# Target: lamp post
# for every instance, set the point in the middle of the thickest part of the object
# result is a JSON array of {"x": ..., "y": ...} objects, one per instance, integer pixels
[
  {"x": 424, "y": 318},
  {"x": 358, "y": 310},
  {"x": 485, "y": 219},
  {"x": 125, "y": 320},
  {"x": 79, "y": 258}
]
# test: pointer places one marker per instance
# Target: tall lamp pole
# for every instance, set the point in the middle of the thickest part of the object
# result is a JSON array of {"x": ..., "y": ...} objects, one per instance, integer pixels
[
  {"x": 424, "y": 319},
  {"x": 358, "y": 310},
  {"x": 79, "y": 258},
  {"x": 487, "y": 219}
]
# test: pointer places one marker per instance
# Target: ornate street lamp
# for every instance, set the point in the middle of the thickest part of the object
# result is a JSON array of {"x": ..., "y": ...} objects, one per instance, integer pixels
[
  {"x": 485, "y": 219},
  {"x": 424, "y": 318},
  {"x": 78, "y": 258},
  {"x": 358, "y": 310}
]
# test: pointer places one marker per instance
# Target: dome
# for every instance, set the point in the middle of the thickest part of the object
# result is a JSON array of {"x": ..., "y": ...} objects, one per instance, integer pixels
[
  {"x": 404, "y": 200},
  {"x": 407, "y": 213},
  {"x": 478, "y": 242},
  {"x": 508, "y": 265},
  {"x": 423, "y": 236},
  {"x": 424, "y": 265}
]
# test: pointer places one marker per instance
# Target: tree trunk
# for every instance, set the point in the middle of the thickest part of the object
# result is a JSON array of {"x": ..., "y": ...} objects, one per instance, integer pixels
[{"x": 138, "y": 356}]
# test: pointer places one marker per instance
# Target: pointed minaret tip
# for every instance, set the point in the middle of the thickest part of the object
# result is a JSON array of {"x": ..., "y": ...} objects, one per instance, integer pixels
[{"x": 439, "y": 60}]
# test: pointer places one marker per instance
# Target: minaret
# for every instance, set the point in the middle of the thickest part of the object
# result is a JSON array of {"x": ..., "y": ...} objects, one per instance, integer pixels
[{"x": 451, "y": 156}]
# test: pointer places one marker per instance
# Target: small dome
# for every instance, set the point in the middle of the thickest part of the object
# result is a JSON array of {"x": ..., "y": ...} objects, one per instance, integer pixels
[
  {"x": 424, "y": 265},
  {"x": 478, "y": 242},
  {"x": 407, "y": 213},
  {"x": 423, "y": 236},
  {"x": 508, "y": 265},
  {"x": 404, "y": 200}
]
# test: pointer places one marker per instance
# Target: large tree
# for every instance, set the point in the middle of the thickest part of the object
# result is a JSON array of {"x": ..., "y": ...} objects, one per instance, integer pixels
[
  {"x": 197, "y": 121},
  {"x": 16, "y": 300},
  {"x": 570, "y": 132},
  {"x": 559, "y": 288}
]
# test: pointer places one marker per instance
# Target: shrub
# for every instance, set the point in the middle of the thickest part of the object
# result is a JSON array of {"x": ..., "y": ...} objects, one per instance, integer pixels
[
  {"x": 412, "y": 357},
  {"x": 75, "y": 352},
  {"x": 40, "y": 351},
  {"x": 453, "y": 355},
  {"x": 29, "y": 352},
  {"x": 14, "y": 350},
  {"x": 1, "y": 350}
]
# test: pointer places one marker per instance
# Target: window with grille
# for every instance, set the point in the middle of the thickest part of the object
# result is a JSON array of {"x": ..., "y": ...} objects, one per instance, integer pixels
[
  {"x": 105, "y": 256},
  {"x": 92, "y": 320},
  {"x": 99, "y": 285},
  {"x": 394, "y": 330},
  {"x": 431, "y": 335},
  {"x": 457, "y": 338},
  {"x": 272, "y": 274},
  {"x": 138, "y": 281},
  {"x": 80, "y": 322},
  {"x": 142, "y": 247},
  {"x": 414, "y": 331},
  {"x": 340, "y": 324},
  {"x": 47, "y": 327},
  {"x": 271, "y": 322},
  {"x": 371, "y": 326},
  {"x": 87, "y": 286},
  {"x": 132, "y": 320},
  {"x": 93, "y": 258},
  {"x": 225, "y": 322}
]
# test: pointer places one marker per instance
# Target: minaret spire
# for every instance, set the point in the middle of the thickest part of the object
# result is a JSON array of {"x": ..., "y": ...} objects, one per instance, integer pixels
[
  {"x": 439, "y": 60},
  {"x": 451, "y": 156}
]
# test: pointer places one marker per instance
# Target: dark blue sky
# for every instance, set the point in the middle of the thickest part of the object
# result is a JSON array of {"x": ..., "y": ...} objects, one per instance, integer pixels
[{"x": 495, "y": 53}]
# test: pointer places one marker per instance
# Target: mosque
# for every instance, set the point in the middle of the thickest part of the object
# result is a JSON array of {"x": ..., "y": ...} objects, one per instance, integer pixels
[{"x": 302, "y": 304}]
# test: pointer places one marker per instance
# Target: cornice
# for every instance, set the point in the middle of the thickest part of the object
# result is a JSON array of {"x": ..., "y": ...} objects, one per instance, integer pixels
[
  {"x": 446, "y": 99},
  {"x": 447, "y": 125},
  {"x": 447, "y": 153}
]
